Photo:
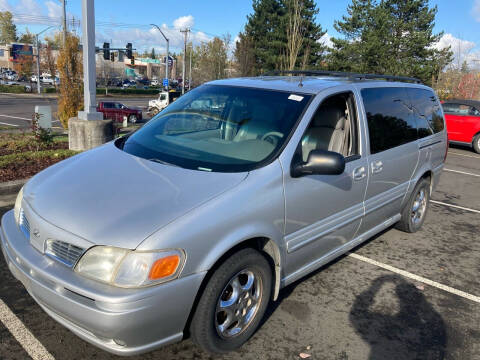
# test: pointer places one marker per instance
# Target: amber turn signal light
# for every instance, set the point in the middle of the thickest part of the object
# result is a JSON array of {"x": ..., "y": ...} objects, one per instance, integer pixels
[{"x": 164, "y": 267}]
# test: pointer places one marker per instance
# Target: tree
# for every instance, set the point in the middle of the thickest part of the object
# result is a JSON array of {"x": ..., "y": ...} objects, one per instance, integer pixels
[
  {"x": 48, "y": 60},
  {"x": 27, "y": 37},
  {"x": 265, "y": 28},
  {"x": 244, "y": 55},
  {"x": 210, "y": 60},
  {"x": 282, "y": 34},
  {"x": 69, "y": 63},
  {"x": 389, "y": 37},
  {"x": 8, "y": 30},
  {"x": 152, "y": 54}
]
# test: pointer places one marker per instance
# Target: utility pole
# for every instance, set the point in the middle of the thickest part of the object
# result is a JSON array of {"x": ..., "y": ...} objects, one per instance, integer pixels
[
  {"x": 185, "y": 32},
  {"x": 39, "y": 90},
  {"x": 190, "y": 69},
  {"x": 64, "y": 23}
]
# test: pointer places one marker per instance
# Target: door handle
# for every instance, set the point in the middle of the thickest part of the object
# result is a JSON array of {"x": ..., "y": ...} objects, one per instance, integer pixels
[
  {"x": 359, "y": 173},
  {"x": 377, "y": 167}
]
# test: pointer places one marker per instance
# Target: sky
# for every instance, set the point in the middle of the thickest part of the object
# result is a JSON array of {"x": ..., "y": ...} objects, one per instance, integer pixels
[{"x": 122, "y": 21}]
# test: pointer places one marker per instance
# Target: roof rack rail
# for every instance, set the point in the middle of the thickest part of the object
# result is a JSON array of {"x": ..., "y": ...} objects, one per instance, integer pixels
[{"x": 349, "y": 75}]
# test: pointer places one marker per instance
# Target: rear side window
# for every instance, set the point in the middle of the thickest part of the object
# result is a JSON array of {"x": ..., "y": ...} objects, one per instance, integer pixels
[
  {"x": 390, "y": 120},
  {"x": 427, "y": 111},
  {"x": 460, "y": 109}
]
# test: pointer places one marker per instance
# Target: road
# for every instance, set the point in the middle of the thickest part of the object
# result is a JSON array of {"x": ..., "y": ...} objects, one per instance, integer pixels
[
  {"x": 16, "y": 110},
  {"x": 399, "y": 296}
]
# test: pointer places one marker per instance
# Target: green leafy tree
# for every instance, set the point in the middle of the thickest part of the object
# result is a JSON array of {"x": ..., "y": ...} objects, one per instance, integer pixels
[
  {"x": 152, "y": 54},
  {"x": 8, "y": 30},
  {"x": 244, "y": 55},
  {"x": 266, "y": 30},
  {"x": 281, "y": 34},
  {"x": 389, "y": 37},
  {"x": 27, "y": 37}
]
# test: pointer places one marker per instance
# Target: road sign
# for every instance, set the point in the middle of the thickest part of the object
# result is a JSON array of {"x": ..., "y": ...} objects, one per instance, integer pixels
[
  {"x": 165, "y": 82},
  {"x": 170, "y": 60}
]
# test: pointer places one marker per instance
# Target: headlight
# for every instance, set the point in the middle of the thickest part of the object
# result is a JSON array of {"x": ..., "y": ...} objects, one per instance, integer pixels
[
  {"x": 18, "y": 205},
  {"x": 131, "y": 269}
]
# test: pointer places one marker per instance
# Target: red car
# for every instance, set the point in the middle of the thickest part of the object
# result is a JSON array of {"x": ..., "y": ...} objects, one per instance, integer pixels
[
  {"x": 117, "y": 112},
  {"x": 463, "y": 122}
]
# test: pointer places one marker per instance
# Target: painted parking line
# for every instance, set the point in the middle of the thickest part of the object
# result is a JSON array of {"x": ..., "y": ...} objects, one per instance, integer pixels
[
  {"x": 2, "y": 123},
  {"x": 30, "y": 344},
  {"x": 455, "y": 206},
  {"x": 458, "y": 154},
  {"x": 414, "y": 277},
  {"x": 461, "y": 172},
  {"x": 15, "y": 117}
]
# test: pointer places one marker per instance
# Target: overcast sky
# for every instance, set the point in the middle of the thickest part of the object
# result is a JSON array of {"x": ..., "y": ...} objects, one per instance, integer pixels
[{"x": 122, "y": 21}]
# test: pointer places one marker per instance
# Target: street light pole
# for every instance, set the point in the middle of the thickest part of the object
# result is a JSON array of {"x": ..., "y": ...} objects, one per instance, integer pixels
[
  {"x": 168, "y": 57},
  {"x": 185, "y": 32},
  {"x": 89, "y": 70},
  {"x": 39, "y": 90}
]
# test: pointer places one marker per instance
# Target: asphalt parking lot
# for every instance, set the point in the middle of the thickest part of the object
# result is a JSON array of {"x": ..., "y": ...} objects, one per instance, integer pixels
[
  {"x": 398, "y": 296},
  {"x": 16, "y": 110}
]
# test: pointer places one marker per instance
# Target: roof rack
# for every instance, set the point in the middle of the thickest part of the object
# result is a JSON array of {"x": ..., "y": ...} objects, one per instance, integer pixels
[{"x": 353, "y": 76}]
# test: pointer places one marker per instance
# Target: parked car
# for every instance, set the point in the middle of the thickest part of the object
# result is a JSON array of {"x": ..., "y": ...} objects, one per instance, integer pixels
[
  {"x": 463, "y": 122},
  {"x": 223, "y": 208},
  {"x": 117, "y": 111},
  {"x": 129, "y": 83}
]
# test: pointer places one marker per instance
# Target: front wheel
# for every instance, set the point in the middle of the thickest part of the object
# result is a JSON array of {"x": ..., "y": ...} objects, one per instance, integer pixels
[
  {"x": 476, "y": 144},
  {"x": 233, "y": 302},
  {"x": 132, "y": 119},
  {"x": 415, "y": 211}
]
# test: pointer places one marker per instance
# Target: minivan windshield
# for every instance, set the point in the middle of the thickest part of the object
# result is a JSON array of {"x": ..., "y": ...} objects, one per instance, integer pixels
[{"x": 220, "y": 128}]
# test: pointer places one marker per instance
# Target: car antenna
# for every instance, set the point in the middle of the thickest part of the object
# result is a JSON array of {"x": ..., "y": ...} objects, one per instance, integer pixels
[{"x": 300, "y": 84}]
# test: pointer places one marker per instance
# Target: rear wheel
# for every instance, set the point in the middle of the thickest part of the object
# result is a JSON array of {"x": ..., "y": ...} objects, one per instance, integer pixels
[
  {"x": 415, "y": 211},
  {"x": 233, "y": 302},
  {"x": 476, "y": 144},
  {"x": 132, "y": 119}
]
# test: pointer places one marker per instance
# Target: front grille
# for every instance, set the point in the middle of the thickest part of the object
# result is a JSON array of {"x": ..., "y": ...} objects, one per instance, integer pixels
[
  {"x": 23, "y": 224},
  {"x": 66, "y": 253}
]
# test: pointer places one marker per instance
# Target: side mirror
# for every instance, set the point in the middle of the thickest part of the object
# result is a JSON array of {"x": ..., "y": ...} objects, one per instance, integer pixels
[{"x": 320, "y": 162}]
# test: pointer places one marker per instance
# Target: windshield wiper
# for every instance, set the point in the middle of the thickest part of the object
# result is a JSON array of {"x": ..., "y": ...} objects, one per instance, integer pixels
[{"x": 163, "y": 162}]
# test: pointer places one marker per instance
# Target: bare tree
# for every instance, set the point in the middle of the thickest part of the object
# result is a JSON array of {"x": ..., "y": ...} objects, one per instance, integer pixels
[{"x": 295, "y": 33}]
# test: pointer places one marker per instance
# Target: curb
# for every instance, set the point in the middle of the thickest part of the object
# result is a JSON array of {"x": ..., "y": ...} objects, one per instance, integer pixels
[{"x": 11, "y": 187}]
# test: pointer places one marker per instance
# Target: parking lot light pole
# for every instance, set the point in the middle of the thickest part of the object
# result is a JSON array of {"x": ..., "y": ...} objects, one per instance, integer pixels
[
  {"x": 167, "y": 58},
  {"x": 88, "y": 130},
  {"x": 37, "y": 42}
]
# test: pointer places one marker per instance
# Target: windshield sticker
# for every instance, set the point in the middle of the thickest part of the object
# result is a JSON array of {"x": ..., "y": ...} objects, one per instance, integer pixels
[{"x": 295, "y": 97}]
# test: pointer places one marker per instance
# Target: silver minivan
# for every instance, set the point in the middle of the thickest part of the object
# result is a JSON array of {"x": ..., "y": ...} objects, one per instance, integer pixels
[{"x": 191, "y": 225}]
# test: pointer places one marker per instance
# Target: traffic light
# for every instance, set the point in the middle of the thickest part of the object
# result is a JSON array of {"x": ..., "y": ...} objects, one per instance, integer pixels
[
  {"x": 132, "y": 60},
  {"x": 112, "y": 57},
  {"x": 129, "y": 51},
  {"x": 106, "y": 51}
]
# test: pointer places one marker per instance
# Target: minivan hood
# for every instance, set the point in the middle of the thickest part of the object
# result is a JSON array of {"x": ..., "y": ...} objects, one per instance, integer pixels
[{"x": 109, "y": 197}]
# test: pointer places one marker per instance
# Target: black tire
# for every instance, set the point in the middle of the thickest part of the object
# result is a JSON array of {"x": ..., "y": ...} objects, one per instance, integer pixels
[
  {"x": 407, "y": 223},
  {"x": 476, "y": 143},
  {"x": 203, "y": 328},
  {"x": 132, "y": 119}
]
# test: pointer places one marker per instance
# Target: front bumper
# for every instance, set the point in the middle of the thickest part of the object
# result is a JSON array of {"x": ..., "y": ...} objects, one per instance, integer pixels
[{"x": 121, "y": 321}]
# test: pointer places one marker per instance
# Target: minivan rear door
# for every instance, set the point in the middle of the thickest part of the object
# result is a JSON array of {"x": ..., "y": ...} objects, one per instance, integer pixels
[{"x": 393, "y": 154}]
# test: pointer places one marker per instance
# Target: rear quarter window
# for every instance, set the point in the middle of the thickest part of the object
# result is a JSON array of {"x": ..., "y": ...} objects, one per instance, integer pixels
[
  {"x": 427, "y": 111},
  {"x": 390, "y": 120}
]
